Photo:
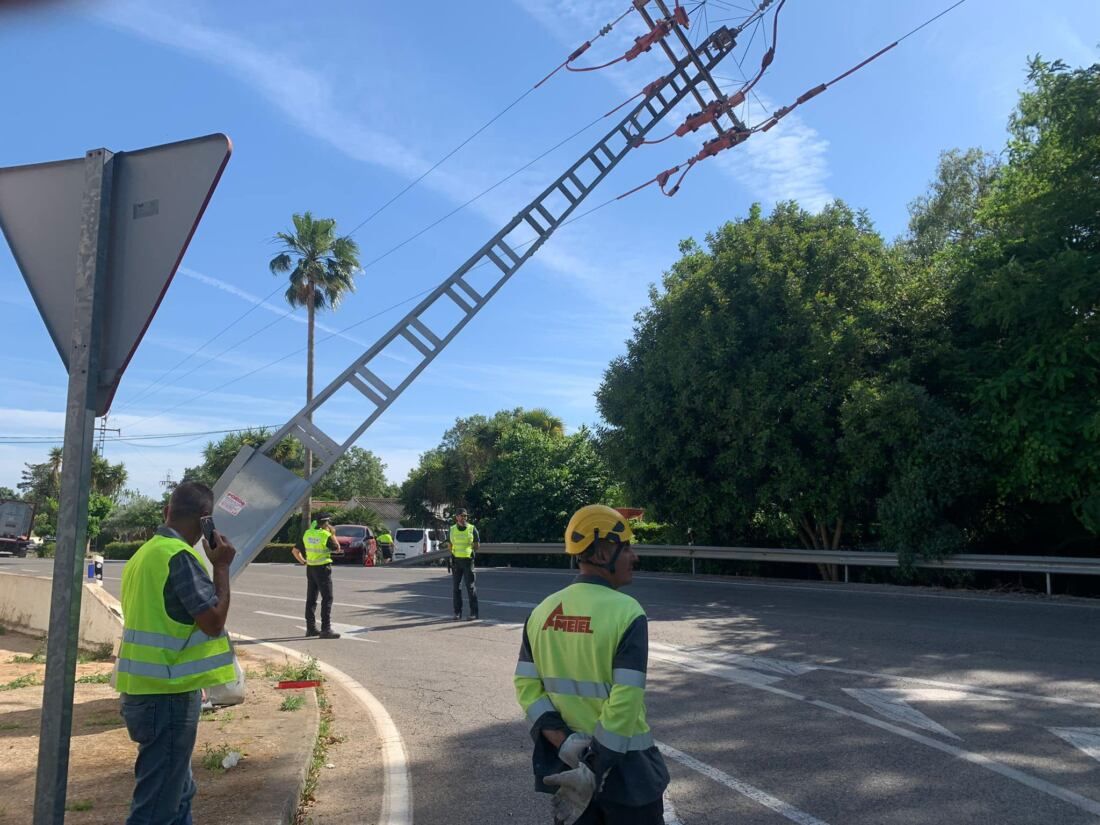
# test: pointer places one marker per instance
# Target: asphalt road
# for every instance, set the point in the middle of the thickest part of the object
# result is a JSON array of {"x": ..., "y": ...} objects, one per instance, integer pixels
[{"x": 775, "y": 702}]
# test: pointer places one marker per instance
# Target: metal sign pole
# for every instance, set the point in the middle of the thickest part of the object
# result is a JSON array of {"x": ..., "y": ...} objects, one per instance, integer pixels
[{"x": 72, "y": 521}]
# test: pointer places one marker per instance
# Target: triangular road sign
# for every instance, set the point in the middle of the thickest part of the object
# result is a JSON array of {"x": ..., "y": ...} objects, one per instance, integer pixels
[{"x": 158, "y": 197}]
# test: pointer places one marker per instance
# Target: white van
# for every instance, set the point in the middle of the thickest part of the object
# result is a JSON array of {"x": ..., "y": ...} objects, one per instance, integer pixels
[{"x": 413, "y": 541}]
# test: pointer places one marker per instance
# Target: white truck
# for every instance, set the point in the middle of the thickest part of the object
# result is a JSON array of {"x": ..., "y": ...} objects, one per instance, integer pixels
[{"x": 16, "y": 520}]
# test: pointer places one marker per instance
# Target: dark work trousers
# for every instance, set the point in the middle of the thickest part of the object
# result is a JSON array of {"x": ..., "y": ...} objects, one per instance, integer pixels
[
  {"x": 464, "y": 569},
  {"x": 608, "y": 813},
  {"x": 319, "y": 580}
]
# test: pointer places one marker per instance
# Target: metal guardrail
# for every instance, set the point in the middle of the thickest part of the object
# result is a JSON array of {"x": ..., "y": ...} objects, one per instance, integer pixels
[{"x": 1048, "y": 565}]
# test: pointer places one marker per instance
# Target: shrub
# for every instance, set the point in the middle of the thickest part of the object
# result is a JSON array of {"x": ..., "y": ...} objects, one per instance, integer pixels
[{"x": 276, "y": 554}]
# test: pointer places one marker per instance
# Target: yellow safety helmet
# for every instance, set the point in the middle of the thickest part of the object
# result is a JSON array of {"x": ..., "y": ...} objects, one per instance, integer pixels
[{"x": 596, "y": 521}]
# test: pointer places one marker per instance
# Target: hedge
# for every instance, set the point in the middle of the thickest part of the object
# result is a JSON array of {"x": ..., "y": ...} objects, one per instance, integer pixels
[
  {"x": 121, "y": 549},
  {"x": 276, "y": 554},
  {"x": 125, "y": 549}
]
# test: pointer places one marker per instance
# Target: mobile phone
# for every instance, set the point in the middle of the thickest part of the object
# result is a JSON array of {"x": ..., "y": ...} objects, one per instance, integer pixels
[{"x": 207, "y": 524}]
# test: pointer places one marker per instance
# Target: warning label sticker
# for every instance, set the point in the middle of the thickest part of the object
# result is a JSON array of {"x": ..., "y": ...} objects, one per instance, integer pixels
[{"x": 231, "y": 504}]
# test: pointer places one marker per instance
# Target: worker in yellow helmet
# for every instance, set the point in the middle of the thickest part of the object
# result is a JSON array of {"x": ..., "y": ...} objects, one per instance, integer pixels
[{"x": 581, "y": 682}]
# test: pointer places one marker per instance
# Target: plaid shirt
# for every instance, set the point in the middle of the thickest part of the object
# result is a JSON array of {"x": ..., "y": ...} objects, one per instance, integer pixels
[{"x": 189, "y": 590}]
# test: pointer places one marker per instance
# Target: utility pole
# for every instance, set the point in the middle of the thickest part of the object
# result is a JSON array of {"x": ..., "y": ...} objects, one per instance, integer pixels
[
  {"x": 103, "y": 430},
  {"x": 255, "y": 494}
]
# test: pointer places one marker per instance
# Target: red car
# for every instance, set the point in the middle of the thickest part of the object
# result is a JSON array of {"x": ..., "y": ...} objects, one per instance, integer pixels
[{"x": 356, "y": 541}]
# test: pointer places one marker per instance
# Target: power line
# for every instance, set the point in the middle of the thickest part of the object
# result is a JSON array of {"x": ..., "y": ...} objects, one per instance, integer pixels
[{"x": 125, "y": 439}]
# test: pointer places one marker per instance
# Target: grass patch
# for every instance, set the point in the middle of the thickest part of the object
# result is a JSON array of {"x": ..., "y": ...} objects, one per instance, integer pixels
[
  {"x": 293, "y": 672},
  {"x": 325, "y": 738},
  {"x": 292, "y": 703},
  {"x": 80, "y": 805},
  {"x": 212, "y": 757},
  {"x": 104, "y": 721},
  {"x": 99, "y": 653},
  {"x": 28, "y": 680},
  {"x": 3, "y": 630},
  {"x": 94, "y": 679},
  {"x": 10, "y": 726}
]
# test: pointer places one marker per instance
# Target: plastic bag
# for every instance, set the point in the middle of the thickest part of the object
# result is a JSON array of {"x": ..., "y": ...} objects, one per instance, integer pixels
[{"x": 231, "y": 693}]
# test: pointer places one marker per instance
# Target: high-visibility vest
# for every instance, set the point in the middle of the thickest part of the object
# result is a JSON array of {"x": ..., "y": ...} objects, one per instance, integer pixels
[
  {"x": 159, "y": 654},
  {"x": 384, "y": 538},
  {"x": 315, "y": 541},
  {"x": 462, "y": 541},
  {"x": 574, "y": 635}
]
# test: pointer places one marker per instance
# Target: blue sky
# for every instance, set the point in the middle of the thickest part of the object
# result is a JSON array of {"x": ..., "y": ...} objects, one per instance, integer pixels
[{"x": 337, "y": 107}]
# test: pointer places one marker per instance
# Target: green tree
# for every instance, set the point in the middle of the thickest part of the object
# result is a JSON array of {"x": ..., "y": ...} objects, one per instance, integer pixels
[
  {"x": 1030, "y": 290},
  {"x": 8, "y": 493},
  {"x": 535, "y": 482},
  {"x": 43, "y": 481},
  {"x": 322, "y": 268},
  {"x": 516, "y": 472},
  {"x": 948, "y": 213},
  {"x": 218, "y": 455},
  {"x": 765, "y": 395},
  {"x": 357, "y": 472},
  {"x": 135, "y": 517}
]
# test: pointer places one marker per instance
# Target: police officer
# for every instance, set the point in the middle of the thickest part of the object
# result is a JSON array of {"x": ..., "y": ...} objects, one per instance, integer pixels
[
  {"x": 173, "y": 645},
  {"x": 581, "y": 682},
  {"x": 385, "y": 544},
  {"x": 318, "y": 542},
  {"x": 464, "y": 541}
]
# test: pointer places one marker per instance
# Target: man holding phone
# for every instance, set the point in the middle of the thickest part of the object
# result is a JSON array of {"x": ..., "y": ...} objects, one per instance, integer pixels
[
  {"x": 317, "y": 543},
  {"x": 173, "y": 645}
]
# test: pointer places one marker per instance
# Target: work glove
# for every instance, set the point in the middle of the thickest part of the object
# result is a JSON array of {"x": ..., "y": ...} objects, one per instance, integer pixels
[
  {"x": 573, "y": 748},
  {"x": 575, "y": 789}
]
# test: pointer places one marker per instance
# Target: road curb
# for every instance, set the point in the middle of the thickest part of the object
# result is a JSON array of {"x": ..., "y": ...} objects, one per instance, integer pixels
[
  {"x": 294, "y": 800},
  {"x": 396, "y": 786}
]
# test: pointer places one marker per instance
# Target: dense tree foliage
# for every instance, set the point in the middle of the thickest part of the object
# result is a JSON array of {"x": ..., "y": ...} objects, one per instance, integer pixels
[
  {"x": 799, "y": 379},
  {"x": 518, "y": 474}
]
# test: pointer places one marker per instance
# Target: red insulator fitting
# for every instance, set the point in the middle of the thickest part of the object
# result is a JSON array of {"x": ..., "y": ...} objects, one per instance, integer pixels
[
  {"x": 708, "y": 115},
  {"x": 580, "y": 50},
  {"x": 736, "y": 100},
  {"x": 814, "y": 92},
  {"x": 662, "y": 178},
  {"x": 649, "y": 89},
  {"x": 681, "y": 16}
]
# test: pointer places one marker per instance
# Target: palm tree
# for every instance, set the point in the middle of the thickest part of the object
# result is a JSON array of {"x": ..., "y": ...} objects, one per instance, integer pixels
[{"x": 322, "y": 269}]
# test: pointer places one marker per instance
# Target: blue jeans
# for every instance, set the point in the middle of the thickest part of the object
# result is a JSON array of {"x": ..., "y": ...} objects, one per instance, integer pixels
[{"x": 164, "y": 727}]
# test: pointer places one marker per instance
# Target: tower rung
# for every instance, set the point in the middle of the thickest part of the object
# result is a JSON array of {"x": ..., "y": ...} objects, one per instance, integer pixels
[
  {"x": 607, "y": 151},
  {"x": 454, "y": 296},
  {"x": 569, "y": 195},
  {"x": 535, "y": 224},
  {"x": 475, "y": 296},
  {"x": 551, "y": 221},
  {"x": 492, "y": 256},
  {"x": 367, "y": 391},
  {"x": 374, "y": 380},
  {"x": 318, "y": 441},
  {"x": 422, "y": 328},
  {"x": 516, "y": 259},
  {"x": 425, "y": 350}
]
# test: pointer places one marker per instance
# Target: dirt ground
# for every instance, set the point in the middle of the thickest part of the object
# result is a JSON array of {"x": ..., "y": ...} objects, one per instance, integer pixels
[{"x": 276, "y": 745}]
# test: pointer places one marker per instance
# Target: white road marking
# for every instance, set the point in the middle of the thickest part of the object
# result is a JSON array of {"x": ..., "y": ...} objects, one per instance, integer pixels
[
  {"x": 887, "y": 703},
  {"x": 667, "y": 653},
  {"x": 764, "y": 798},
  {"x": 671, "y": 817},
  {"x": 1087, "y": 739},
  {"x": 347, "y": 631},
  {"x": 396, "y": 780},
  {"x": 797, "y": 668},
  {"x": 1033, "y": 782}
]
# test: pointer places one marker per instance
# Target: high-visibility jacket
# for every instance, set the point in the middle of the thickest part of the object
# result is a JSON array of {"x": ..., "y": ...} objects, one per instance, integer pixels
[
  {"x": 582, "y": 667},
  {"x": 384, "y": 537},
  {"x": 159, "y": 654},
  {"x": 462, "y": 541},
  {"x": 315, "y": 541}
]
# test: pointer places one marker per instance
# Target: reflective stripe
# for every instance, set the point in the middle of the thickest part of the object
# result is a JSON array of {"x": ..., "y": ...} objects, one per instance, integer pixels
[
  {"x": 166, "y": 642},
  {"x": 543, "y": 705},
  {"x": 628, "y": 677},
  {"x": 622, "y": 744},
  {"x": 527, "y": 669},
  {"x": 156, "y": 671},
  {"x": 571, "y": 687}
]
